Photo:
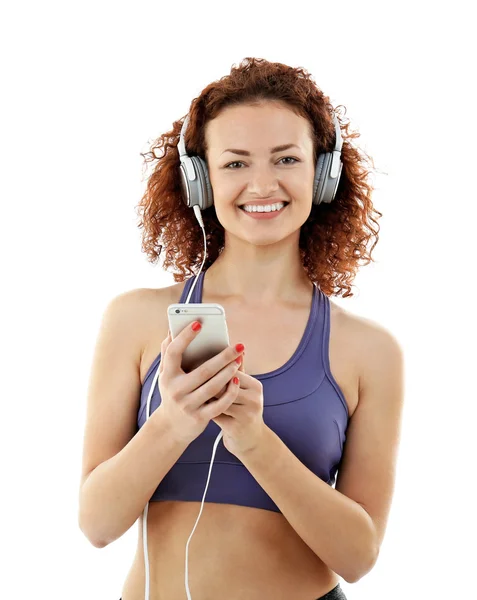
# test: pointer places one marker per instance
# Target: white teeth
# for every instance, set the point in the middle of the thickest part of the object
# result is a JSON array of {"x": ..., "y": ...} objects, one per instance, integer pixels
[{"x": 266, "y": 208}]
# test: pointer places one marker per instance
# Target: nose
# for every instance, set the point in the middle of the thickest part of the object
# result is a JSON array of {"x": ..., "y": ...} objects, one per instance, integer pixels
[{"x": 263, "y": 181}]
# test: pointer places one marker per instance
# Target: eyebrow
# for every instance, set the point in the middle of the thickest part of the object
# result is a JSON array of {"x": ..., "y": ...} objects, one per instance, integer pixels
[{"x": 272, "y": 150}]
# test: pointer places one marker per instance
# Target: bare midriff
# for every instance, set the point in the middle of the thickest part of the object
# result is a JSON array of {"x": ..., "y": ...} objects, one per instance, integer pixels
[{"x": 236, "y": 552}]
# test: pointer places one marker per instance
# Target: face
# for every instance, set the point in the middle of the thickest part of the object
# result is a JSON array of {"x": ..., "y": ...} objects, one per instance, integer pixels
[{"x": 257, "y": 173}]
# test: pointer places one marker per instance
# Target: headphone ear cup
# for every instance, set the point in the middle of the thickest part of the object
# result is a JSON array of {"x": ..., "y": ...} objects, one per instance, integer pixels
[
  {"x": 206, "y": 196},
  {"x": 197, "y": 191},
  {"x": 332, "y": 185},
  {"x": 325, "y": 186},
  {"x": 318, "y": 181}
]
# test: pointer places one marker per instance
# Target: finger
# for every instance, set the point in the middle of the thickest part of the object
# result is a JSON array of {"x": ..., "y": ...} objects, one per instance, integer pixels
[
  {"x": 242, "y": 368},
  {"x": 214, "y": 408},
  {"x": 239, "y": 370},
  {"x": 221, "y": 393},
  {"x": 164, "y": 345},
  {"x": 209, "y": 378},
  {"x": 223, "y": 390},
  {"x": 245, "y": 380},
  {"x": 176, "y": 348}
]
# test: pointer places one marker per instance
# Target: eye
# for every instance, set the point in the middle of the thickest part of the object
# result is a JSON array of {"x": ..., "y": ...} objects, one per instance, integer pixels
[{"x": 239, "y": 162}]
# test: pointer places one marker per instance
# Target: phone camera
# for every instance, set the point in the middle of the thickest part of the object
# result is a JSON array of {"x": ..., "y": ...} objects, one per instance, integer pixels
[{"x": 177, "y": 310}]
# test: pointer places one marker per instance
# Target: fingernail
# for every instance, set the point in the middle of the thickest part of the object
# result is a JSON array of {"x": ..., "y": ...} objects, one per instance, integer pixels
[
  {"x": 196, "y": 325},
  {"x": 239, "y": 347},
  {"x": 236, "y": 380},
  {"x": 238, "y": 360}
]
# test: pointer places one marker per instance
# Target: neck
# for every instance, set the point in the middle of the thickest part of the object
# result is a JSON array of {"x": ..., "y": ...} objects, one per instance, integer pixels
[{"x": 259, "y": 282}]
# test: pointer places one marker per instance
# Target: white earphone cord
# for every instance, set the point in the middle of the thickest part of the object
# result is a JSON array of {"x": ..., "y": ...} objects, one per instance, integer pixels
[{"x": 219, "y": 437}]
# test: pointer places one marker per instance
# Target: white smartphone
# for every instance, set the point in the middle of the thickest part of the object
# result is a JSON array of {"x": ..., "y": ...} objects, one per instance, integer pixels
[{"x": 211, "y": 339}]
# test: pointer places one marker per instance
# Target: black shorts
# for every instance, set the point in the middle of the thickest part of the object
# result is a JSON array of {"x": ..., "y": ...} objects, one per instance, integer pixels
[{"x": 335, "y": 594}]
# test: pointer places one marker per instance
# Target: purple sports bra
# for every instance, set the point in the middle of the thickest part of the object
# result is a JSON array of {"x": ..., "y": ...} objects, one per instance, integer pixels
[{"x": 303, "y": 405}]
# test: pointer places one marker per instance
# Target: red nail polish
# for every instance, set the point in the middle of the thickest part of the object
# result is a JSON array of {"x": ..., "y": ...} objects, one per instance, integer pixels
[
  {"x": 236, "y": 380},
  {"x": 239, "y": 347}
]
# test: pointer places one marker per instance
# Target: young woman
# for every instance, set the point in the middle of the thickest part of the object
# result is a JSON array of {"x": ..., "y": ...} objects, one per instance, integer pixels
[{"x": 308, "y": 396}]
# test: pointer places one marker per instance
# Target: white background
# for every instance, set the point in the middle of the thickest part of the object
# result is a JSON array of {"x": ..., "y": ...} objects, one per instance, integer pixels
[{"x": 86, "y": 86}]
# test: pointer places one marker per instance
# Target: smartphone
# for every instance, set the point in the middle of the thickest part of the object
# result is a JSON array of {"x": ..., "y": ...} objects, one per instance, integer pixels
[{"x": 211, "y": 339}]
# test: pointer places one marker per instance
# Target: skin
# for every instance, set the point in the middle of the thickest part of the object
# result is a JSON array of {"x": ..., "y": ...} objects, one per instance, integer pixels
[{"x": 260, "y": 263}]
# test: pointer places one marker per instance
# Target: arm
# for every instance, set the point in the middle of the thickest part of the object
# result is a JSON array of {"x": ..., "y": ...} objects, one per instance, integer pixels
[
  {"x": 121, "y": 466},
  {"x": 114, "y": 495},
  {"x": 344, "y": 526},
  {"x": 337, "y": 529}
]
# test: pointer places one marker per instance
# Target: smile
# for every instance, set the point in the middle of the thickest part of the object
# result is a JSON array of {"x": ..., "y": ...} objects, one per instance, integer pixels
[{"x": 265, "y": 214}]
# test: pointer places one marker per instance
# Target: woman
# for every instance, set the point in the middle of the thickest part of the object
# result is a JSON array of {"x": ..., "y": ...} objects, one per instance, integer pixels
[{"x": 310, "y": 392}]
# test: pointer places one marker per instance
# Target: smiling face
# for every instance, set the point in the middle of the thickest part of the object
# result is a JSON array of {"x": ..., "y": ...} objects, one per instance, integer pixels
[{"x": 260, "y": 171}]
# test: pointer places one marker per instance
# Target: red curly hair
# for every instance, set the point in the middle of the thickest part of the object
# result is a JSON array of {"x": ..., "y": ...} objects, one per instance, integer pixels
[{"x": 335, "y": 236}]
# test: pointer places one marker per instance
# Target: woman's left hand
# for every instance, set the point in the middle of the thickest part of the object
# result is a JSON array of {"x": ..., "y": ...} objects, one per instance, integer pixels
[{"x": 242, "y": 423}]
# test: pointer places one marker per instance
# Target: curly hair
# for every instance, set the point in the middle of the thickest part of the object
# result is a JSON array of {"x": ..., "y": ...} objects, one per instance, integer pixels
[{"x": 334, "y": 238}]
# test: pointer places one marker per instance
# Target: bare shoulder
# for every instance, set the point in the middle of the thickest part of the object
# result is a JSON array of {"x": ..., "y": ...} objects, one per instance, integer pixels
[
  {"x": 367, "y": 330},
  {"x": 371, "y": 342},
  {"x": 150, "y": 307}
]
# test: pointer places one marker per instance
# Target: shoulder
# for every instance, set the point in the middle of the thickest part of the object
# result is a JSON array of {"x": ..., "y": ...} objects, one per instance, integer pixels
[
  {"x": 139, "y": 302},
  {"x": 143, "y": 312},
  {"x": 133, "y": 306},
  {"x": 373, "y": 344}
]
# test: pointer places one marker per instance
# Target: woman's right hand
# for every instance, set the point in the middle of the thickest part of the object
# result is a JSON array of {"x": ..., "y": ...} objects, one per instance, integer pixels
[{"x": 185, "y": 396}]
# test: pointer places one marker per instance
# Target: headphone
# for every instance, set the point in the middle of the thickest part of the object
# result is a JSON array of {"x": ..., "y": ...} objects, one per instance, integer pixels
[{"x": 197, "y": 190}]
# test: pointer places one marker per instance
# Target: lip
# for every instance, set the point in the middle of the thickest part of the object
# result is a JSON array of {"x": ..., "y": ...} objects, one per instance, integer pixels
[
  {"x": 264, "y": 202},
  {"x": 263, "y": 215}
]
